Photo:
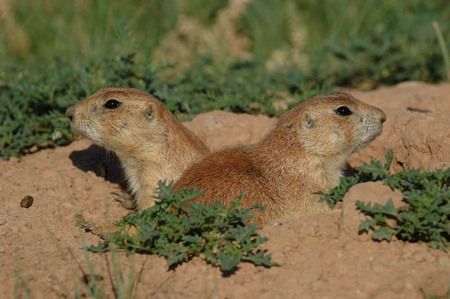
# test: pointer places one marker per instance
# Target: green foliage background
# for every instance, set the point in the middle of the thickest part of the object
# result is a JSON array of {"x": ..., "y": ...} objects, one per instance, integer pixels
[{"x": 200, "y": 55}]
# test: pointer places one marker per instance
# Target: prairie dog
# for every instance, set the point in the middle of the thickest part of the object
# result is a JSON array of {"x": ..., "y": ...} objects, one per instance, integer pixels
[
  {"x": 306, "y": 152},
  {"x": 147, "y": 138}
]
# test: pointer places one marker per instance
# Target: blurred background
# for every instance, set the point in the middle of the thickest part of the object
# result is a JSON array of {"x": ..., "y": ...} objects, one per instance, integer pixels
[{"x": 199, "y": 55}]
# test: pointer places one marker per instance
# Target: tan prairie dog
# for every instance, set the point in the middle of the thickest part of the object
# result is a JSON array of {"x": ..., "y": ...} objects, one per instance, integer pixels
[
  {"x": 146, "y": 137},
  {"x": 306, "y": 152}
]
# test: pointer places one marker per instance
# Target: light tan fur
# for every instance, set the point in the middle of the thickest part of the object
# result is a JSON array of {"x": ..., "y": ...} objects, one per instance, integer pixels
[
  {"x": 306, "y": 152},
  {"x": 146, "y": 137}
]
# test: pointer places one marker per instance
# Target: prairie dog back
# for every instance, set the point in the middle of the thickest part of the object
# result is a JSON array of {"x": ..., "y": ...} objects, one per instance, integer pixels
[{"x": 306, "y": 152}]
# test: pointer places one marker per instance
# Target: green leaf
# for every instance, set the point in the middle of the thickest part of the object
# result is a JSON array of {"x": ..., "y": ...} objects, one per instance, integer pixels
[
  {"x": 228, "y": 262},
  {"x": 383, "y": 233},
  {"x": 260, "y": 259},
  {"x": 389, "y": 157},
  {"x": 366, "y": 225}
]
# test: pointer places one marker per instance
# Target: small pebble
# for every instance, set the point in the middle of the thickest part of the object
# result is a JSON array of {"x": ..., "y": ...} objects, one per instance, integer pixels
[{"x": 27, "y": 201}]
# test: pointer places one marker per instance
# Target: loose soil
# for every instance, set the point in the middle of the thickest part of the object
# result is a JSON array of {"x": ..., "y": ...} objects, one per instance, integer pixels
[{"x": 40, "y": 246}]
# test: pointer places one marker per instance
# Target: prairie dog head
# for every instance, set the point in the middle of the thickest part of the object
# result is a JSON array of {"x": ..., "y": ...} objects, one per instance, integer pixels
[
  {"x": 334, "y": 124},
  {"x": 120, "y": 119}
]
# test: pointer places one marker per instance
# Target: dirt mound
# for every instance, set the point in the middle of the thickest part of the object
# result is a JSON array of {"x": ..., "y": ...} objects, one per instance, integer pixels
[
  {"x": 318, "y": 255},
  {"x": 417, "y": 126},
  {"x": 219, "y": 128}
]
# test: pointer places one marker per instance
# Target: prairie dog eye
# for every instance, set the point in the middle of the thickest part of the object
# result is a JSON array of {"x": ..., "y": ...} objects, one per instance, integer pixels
[
  {"x": 112, "y": 104},
  {"x": 343, "y": 110}
]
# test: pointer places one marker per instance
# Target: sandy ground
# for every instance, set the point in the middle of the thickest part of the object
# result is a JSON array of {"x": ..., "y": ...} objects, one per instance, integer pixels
[{"x": 40, "y": 246}]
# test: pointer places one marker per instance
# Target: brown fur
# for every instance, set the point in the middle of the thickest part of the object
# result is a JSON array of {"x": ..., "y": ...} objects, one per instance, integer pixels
[
  {"x": 147, "y": 138},
  {"x": 306, "y": 152}
]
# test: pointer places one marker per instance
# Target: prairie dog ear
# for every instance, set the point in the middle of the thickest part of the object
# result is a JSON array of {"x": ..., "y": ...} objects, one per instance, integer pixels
[
  {"x": 150, "y": 111},
  {"x": 307, "y": 121}
]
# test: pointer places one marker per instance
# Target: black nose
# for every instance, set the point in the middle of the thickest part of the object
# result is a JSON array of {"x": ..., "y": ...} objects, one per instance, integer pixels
[
  {"x": 382, "y": 116},
  {"x": 70, "y": 112}
]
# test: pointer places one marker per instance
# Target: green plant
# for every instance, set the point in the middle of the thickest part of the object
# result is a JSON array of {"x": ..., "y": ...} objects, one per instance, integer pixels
[
  {"x": 424, "y": 218},
  {"x": 21, "y": 285},
  {"x": 179, "y": 232},
  {"x": 266, "y": 23},
  {"x": 34, "y": 100},
  {"x": 383, "y": 42},
  {"x": 368, "y": 172},
  {"x": 83, "y": 31},
  {"x": 378, "y": 42},
  {"x": 443, "y": 46},
  {"x": 235, "y": 86}
]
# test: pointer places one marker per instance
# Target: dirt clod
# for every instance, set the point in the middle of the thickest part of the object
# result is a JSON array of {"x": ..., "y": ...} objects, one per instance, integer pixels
[{"x": 26, "y": 202}]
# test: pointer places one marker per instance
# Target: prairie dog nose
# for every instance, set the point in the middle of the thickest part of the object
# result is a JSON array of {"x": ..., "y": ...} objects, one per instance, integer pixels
[
  {"x": 70, "y": 112},
  {"x": 381, "y": 114}
]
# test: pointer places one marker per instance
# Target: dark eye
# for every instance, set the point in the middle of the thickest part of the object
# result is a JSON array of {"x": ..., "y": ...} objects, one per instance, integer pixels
[
  {"x": 112, "y": 104},
  {"x": 344, "y": 111}
]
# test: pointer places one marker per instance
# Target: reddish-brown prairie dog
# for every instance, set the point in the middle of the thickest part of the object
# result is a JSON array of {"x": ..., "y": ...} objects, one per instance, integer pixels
[
  {"x": 306, "y": 152},
  {"x": 146, "y": 137}
]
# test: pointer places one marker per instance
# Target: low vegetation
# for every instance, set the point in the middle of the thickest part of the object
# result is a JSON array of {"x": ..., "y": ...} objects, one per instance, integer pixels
[
  {"x": 177, "y": 231},
  {"x": 34, "y": 100},
  {"x": 424, "y": 218},
  {"x": 201, "y": 55}
]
